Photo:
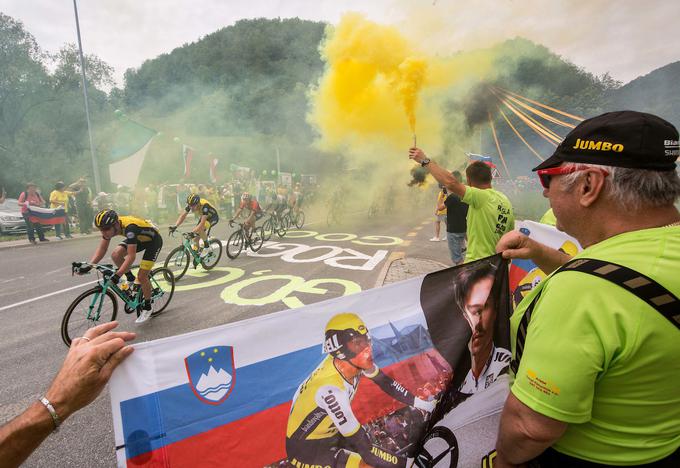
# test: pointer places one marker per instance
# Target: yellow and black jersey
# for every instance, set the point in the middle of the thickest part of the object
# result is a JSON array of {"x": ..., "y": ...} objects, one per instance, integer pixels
[
  {"x": 137, "y": 230},
  {"x": 206, "y": 208},
  {"x": 322, "y": 405}
]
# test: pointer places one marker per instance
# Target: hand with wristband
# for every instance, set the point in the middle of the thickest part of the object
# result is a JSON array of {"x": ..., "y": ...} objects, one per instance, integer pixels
[{"x": 86, "y": 370}]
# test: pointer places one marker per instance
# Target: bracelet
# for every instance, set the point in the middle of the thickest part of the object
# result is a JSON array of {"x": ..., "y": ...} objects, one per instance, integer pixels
[{"x": 52, "y": 411}]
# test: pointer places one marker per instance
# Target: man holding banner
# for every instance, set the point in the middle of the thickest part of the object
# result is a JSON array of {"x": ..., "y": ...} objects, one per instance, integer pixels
[{"x": 597, "y": 343}]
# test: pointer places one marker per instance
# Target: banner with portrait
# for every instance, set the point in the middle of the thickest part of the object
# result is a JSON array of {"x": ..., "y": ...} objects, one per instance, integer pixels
[{"x": 368, "y": 377}]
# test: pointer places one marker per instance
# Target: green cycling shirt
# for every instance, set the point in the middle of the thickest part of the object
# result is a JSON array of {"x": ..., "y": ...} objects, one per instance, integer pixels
[
  {"x": 604, "y": 361},
  {"x": 489, "y": 217}
]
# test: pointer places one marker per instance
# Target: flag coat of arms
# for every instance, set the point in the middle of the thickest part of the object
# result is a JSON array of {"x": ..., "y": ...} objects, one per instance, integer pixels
[{"x": 265, "y": 392}]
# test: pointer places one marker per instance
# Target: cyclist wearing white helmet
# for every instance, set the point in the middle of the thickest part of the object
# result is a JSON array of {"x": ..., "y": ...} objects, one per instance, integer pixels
[
  {"x": 252, "y": 208},
  {"x": 139, "y": 235},
  {"x": 207, "y": 219},
  {"x": 322, "y": 429}
]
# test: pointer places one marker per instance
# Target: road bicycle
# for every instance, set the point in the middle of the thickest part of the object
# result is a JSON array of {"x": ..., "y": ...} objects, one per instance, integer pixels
[
  {"x": 239, "y": 240},
  {"x": 99, "y": 305},
  {"x": 298, "y": 218},
  {"x": 179, "y": 258},
  {"x": 275, "y": 224}
]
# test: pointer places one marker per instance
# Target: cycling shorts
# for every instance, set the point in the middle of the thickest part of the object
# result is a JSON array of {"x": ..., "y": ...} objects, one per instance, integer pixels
[
  {"x": 151, "y": 250},
  {"x": 209, "y": 223},
  {"x": 321, "y": 452}
]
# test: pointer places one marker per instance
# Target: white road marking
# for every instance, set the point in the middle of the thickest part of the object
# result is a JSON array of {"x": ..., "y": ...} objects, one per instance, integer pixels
[{"x": 27, "y": 301}]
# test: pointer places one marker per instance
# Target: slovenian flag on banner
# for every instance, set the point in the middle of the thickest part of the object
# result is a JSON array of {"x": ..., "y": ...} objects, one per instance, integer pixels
[
  {"x": 276, "y": 390},
  {"x": 213, "y": 169},
  {"x": 187, "y": 156},
  {"x": 51, "y": 216},
  {"x": 525, "y": 274}
]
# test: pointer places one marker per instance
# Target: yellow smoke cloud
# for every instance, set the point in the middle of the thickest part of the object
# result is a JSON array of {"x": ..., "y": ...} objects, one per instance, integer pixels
[{"x": 379, "y": 89}]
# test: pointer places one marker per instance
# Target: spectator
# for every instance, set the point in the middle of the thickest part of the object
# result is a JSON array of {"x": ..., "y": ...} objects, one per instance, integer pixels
[
  {"x": 86, "y": 370},
  {"x": 59, "y": 198},
  {"x": 439, "y": 213},
  {"x": 83, "y": 197},
  {"x": 596, "y": 368},
  {"x": 490, "y": 214},
  {"x": 3, "y": 195},
  {"x": 101, "y": 202},
  {"x": 456, "y": 223},
  {"x": 151, "y": 195},
  {"x": 31, "y": 197}
]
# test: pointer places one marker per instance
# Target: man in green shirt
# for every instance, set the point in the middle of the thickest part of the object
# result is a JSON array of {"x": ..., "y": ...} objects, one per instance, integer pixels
[
  {"x": 490, "y": 214},
  {"x": 597, "y": 369}
]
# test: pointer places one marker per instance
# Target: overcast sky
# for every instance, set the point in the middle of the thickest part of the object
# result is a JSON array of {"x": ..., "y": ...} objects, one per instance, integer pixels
[{"x": 626, "y": 38}]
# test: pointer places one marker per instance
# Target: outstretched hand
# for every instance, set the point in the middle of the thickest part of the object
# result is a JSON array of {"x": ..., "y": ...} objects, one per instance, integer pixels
[
  {"x": 416, "y": 154},
  {"x": 88, "y": 367}
]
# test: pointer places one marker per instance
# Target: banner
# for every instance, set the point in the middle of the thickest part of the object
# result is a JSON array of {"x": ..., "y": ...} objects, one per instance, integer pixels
[
  {"x": 525, "y": 274},
  {"x": 213, "y": 169},
  {"x": 360, "y": 377},
  {"x": 39, "y": 215},
  {"x": 187, "y": 156},
  {"x": 131, "y": 143}
]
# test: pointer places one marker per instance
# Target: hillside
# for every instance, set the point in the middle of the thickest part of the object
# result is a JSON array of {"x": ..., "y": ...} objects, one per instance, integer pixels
[{"x": 657, "y": 92}]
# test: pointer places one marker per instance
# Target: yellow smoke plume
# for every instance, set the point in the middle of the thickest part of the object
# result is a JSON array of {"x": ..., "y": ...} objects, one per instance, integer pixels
[{"x": 379, "y": 89}]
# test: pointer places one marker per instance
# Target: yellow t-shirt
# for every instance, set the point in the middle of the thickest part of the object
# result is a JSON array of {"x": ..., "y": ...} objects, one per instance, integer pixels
[
  {"x": 58, "y": 199},
  {"x": 440, "y": 200}
]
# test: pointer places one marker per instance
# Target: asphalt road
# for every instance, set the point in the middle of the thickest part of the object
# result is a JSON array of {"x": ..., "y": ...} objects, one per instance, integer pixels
[{"x": 36, "y": 288}]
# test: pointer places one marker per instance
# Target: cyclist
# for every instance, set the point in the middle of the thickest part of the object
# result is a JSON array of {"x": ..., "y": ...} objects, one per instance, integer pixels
[
  {"x": 253, "y": 209},
  {"x": 296, "y": 198},
  {"x": 207, "y": 219},
  {"x": 322, "y": 429},
  {"x": 139, "y": 235}
]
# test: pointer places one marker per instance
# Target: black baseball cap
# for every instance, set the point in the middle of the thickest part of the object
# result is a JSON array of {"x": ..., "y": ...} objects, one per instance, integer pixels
[{"x": 621, "y": 139}]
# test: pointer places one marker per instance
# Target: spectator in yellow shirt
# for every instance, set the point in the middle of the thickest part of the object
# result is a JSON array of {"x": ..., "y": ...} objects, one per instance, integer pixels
[
  {"x": 59, "y": 199},
  {"x": 440, "y": 213}
]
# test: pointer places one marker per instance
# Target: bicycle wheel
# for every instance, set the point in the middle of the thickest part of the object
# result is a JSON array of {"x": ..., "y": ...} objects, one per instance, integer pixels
[
  {"x": 212, "y": 258},
  {"x": 268, "y": 229},
  {"x": 178, "y": 262},
  {"x": 256, "y": 239},
  {"x": 235, "y": 244},
  {"x": 162, "y": 288},
  {"x": 282, "y": 226},
  {"x": 79, "y": 318},
  {"x": 300, "y": 219}
]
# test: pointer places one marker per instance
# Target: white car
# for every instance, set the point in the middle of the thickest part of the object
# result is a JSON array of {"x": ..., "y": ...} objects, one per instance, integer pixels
[{"x": 11, "y": 221}]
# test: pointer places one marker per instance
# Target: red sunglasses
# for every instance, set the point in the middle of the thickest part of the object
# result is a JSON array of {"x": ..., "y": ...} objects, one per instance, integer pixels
[{"x": 544, "y": 175}]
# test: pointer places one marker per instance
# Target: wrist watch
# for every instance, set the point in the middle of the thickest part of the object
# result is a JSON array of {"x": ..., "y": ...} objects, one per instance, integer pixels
[{"x": 425, "y": 162}]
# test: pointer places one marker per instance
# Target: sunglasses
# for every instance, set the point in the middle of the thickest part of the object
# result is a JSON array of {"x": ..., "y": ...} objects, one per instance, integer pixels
[{"x": 544, "y": 175}]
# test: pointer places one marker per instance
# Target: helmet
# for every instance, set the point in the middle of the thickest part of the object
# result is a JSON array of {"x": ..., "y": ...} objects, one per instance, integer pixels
[
  {"x": 105, "y": 218},
  {"x": 245, "y": 196},
  {"x": 340, "y": 330},
  {"x": 193, "y": 199}
]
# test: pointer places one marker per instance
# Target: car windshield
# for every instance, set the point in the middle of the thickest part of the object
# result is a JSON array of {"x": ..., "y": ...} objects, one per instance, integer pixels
[{"x": 10, "y": 204}]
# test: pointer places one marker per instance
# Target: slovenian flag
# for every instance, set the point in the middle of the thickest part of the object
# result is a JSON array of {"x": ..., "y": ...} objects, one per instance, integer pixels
[
  {"x": 187, "y": 155},
  {"x": 51, "y": 216}
]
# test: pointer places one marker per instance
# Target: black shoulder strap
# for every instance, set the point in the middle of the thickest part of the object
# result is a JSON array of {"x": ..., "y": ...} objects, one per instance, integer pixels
[{"x": 644, "y": 287}]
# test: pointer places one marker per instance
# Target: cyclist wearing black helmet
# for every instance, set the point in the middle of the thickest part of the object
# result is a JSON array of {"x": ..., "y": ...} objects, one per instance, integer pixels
[
  {"x": 322, "y": 429},
  {"x": 139, "y": 235},
  {"x": 207, "y": 219}
]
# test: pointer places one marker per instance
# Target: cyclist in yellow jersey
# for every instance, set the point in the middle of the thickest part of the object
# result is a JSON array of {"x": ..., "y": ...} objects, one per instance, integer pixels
[
  {"x": 139, "y": 235},
  {"x": 207, "y": 219},
  {"x": 322, "y": 429}
]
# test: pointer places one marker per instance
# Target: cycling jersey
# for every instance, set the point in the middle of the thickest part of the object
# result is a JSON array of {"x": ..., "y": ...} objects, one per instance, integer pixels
[
  {"x": 253, "y": 206},
  {"x": 321, "y": 421},
  {"x": 206, "y": 209},
  {"x": 144, "y": 235},
  {"x": 496, "y": 365}
]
